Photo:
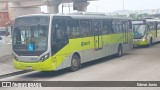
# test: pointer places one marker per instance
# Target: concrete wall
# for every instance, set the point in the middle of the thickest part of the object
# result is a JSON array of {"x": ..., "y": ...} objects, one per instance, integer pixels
[
  {"x": 15, "y": 12},
  {"x": 4, "y": 19},
  {"x": 3, "y": 7}
]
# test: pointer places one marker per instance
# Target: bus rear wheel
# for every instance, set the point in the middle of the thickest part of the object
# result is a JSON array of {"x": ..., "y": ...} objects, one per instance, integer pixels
[
  {"x": 75, "y": 63},
  {"x": 120, "y": 51}
]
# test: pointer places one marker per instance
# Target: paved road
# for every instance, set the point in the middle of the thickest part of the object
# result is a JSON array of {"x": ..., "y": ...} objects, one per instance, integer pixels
[
  {"x": 5, "y": 59},
  {"x": 140, "y": 64},
  {"x": 5, "y": 49}
]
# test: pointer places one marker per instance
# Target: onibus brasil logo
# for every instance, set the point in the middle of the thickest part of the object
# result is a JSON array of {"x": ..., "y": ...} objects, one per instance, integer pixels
[{"x": 21, "y": 84}]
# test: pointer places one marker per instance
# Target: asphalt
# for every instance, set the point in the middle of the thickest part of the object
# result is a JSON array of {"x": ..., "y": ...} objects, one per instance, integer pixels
[{"x": 140, "y": 64}]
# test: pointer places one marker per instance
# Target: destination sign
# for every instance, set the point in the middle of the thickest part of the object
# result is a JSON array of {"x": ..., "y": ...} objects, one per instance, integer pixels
[{"x": 137, "y": 22}]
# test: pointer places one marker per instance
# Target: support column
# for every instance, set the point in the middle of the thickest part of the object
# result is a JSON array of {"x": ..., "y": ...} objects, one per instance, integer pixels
[
  {"x": 53, "y": 6},
  {"x": 80, "y": 5},
  {"x": 16, "y": 10},
  {"x": 53, "y": 9}
]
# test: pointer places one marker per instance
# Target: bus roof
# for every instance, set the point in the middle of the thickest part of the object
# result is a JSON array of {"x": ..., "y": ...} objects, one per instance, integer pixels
[
  {"x": 77, "y": 16},
  {"x": 147, "y": 20},
  {"x": 30, "y": 15},
  {"x": 90, "y": 17}
]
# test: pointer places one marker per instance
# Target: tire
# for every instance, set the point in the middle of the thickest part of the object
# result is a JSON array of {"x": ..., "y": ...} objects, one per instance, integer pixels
[
  {"x": 120, "y": 51},
  {"x": 133, "y": 46},
  {"x": 150, "y": 43},
  {"x": 75, "y": 63}
]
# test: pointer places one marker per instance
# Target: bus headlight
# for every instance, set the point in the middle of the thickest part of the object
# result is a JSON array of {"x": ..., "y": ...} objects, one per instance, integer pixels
[
  {"x": 143, "y": 39},
  {"x": 44, "y": 57}
]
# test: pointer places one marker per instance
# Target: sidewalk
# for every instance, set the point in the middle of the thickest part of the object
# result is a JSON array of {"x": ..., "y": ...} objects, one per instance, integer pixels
[
  {"x": 6, "y": 65},
  {"x": 5, "y": 49}
]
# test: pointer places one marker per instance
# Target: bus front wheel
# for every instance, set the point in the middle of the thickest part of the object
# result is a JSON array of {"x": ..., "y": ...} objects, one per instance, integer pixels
[
  {"x": 150, "y": 43},
  {"x": 75, "y": 63}
]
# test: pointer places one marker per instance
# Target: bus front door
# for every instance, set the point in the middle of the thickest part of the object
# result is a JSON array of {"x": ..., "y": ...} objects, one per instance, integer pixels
[{"x": 97, "y": 30}]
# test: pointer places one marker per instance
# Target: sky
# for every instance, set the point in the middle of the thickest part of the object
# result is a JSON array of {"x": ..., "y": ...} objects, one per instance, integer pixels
[{"x": 114, "y": 5}]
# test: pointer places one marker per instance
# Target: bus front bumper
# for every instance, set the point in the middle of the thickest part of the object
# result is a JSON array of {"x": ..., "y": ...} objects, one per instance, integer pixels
[
  {"x": 140, "y": 42},
  {"x": 46, "y": 65}
]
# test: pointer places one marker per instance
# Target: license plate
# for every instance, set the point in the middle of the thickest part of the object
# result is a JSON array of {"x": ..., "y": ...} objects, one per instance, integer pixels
[{"x": 29, "y": 68}]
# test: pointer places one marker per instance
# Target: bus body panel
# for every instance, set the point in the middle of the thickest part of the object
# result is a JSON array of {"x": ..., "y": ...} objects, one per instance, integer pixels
[{"x": 87, "y": 52}]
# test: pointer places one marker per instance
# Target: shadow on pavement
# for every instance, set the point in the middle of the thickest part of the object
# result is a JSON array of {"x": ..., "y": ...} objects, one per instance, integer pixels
[
  {"x": 13, "y": 74},
  {"x": 51, "y": 74}
]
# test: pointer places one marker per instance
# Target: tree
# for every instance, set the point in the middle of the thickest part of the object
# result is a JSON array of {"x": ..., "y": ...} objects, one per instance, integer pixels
[{"x": 133, "y": 16}]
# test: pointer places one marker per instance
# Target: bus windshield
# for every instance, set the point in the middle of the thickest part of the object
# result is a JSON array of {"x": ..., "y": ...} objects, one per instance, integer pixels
[
  {"x": 30, "y": 35},
  {"x": 139, "y": 31}
]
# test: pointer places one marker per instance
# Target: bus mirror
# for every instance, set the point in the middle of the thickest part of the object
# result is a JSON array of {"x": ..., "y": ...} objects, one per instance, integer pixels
[
  {"x": 130, "y": 25},
  {"x": 0, "y": 38}
]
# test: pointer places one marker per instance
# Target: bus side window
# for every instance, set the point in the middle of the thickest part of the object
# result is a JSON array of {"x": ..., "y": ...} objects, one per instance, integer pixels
[
  {"x": 148, "y": 28},
  {"x": 114, "y": 26},
  {"x": 105, "y": 28},
  {"x": 73, "y": 29},
  {"x": 85, "y": 28},
  {"x": 158, "y": 29},
  {"x": 124, "y": 27},
  {"x": 97, "y": 29},
  {"x": 158, "y": 26},
  {"x": 151, "y": 26},
  {"x": 117, "y": 25},
  {"x": 110, "y": 30},
  {"x": 155, "y": 26}
]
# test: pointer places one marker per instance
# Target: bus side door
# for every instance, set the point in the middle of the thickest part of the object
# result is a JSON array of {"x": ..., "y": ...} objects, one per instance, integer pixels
[
  {"x": 97, "y": 32},
  {"x": 125, "y": 32},
  {"x": 59, "y": 40}
]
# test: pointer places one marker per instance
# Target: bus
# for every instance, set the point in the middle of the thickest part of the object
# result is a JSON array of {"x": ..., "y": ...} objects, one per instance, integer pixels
[
  {"x": 46, "y": 42},
  {"x": 146, "y": 32}
]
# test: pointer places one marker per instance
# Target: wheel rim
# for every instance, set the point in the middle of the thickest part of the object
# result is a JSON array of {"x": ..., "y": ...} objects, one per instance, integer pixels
[{"x": 74, "y": 63}]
